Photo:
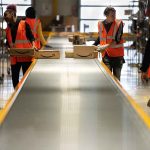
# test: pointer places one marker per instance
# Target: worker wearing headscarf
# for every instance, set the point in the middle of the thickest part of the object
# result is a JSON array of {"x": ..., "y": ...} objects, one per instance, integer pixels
[
  {"x": 35, "y": 25},
  {"x": 19, "y": 35}
]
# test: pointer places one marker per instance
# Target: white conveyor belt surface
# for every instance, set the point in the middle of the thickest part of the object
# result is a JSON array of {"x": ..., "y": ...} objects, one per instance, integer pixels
[{"x": 72, "y": 105}]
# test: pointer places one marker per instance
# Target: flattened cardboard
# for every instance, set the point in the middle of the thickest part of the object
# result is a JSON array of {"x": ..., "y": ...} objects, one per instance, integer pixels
[
  {"x": 22, "y": 52},
  {"x": 84, "y": 51},
  {"x": 47, "y": 54}
]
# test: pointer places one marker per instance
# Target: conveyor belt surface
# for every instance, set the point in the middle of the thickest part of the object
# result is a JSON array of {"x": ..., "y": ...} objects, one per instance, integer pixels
[{"x": 72, "y": 105}]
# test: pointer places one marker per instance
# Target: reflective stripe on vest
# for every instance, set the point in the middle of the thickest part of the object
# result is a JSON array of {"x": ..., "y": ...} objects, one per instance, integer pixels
[
  {"x": 33, "y": 23},
  {"x": 35, "y": 26},
  {"x": 22, "y": 41},
  {"x": 108, "y": 37},
  {"x": 117, "y": 46},
  {"x": 116, "y": 27}
]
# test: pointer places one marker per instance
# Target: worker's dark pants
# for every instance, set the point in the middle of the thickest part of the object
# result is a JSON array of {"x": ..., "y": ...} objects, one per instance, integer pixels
[
  {"x": 114, "y": 64},
  {"x": 15, "y": 70}
]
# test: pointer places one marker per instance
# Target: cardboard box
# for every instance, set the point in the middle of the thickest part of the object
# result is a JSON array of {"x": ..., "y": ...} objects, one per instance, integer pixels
[
  {"x": 22, "y": 52},
  {"x": 84, "y": 51},
  {"x": 70, "y": 54},
  {"x": 95, "y": 54},
  {"x": 47, "y": 54}
]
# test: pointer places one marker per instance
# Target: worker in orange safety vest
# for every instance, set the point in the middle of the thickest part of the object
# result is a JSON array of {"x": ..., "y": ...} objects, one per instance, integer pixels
[
  {"x": 110, "y": 38},
  {"x": 19, "y": 35},
  {"x": 36, "y": 27}
]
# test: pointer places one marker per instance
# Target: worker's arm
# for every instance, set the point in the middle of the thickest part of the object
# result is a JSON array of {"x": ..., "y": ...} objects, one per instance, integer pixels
[
  {"x": 97, "y": 41},
  {"x": 42, "y": 39},
  {"x": 29, "y": 34}
]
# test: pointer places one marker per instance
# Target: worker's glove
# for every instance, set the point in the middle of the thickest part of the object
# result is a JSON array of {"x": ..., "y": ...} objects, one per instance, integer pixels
[{"x": 101, "y": 48}]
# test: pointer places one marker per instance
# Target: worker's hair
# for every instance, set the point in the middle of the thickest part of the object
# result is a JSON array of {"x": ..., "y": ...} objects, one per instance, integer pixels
[
  {"x": 11, "y": 9},
  {"x": 30, "y": 12},
  {"x": 108, "y": 10}
]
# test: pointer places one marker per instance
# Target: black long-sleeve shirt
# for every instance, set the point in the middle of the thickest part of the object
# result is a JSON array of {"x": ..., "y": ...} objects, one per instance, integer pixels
[
  {"x": 14, "y": 28},
  {"x": 107, "y": 26},
  {"x": 146, "y": 58}
]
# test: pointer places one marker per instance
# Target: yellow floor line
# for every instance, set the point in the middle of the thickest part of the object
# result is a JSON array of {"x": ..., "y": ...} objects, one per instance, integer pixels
[
  {"x": 144, "y": 116},
  {"x": 5, "y": 110}
]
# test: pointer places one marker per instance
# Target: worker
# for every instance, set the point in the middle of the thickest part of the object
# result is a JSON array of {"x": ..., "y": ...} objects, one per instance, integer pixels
[
  {"x": 110, "y": 40},
  {"x": 18, "y": 35},
  {"x": 36, "y": 27},
  {"x": 145, "y": 68}
]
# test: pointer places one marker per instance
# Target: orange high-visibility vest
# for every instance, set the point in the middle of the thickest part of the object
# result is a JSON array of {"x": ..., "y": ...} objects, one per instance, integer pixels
[
  {"x": 116, "y": 50},
  {"x": 20, "y": 42},
  {"x": 33, "y": 23}
]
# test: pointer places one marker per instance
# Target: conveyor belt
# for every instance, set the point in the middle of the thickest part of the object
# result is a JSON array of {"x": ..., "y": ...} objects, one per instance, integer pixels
[{"x": 72, "y": 105}]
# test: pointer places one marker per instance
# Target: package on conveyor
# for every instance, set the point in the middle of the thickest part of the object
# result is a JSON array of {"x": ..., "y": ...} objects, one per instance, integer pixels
[
  {"x": 77, "y": 39},
  {"x": 47, "y": 54},
  {"x": 69, "y": 54},
  {"x": 84, "y": 51},
  {"x": 21, "y": 52}
]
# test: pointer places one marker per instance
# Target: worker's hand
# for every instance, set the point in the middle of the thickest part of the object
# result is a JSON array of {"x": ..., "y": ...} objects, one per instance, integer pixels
[
  {"x": 34, "y": 46},
  {"x": 102, "y": 48},
  {"x": 47, "y": 46},
  {"x": 8, "y": 49},
  {"x": 95, "y": 47},
  {"x": 144, "y": 76}
]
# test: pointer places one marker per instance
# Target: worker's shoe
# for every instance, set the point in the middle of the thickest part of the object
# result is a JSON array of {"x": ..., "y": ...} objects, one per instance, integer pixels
[{"x": 148, "y": 103}]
